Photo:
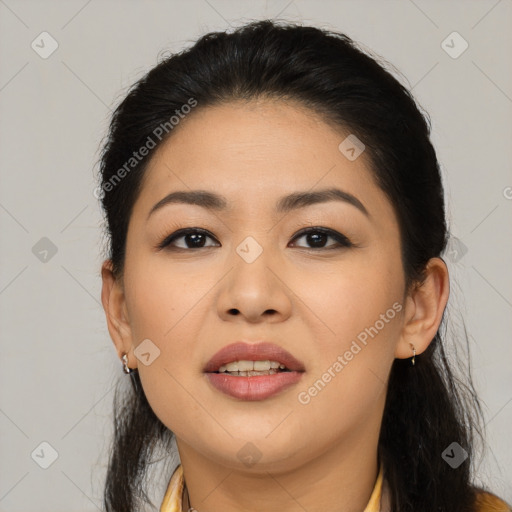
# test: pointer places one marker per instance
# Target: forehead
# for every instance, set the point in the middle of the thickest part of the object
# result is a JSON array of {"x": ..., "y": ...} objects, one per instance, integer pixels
[{"x": 253, "y": 153}]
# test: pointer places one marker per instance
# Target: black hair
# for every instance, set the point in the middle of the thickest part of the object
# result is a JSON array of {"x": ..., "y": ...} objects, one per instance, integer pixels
[{"x": 427, "y": 406}]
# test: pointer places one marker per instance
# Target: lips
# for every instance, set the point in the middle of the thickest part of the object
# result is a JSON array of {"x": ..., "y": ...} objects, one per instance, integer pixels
[{"x": 253, "y": 352}]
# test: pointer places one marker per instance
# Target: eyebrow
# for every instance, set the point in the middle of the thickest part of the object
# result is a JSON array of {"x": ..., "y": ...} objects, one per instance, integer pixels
[{"x": 285, "y": 204}]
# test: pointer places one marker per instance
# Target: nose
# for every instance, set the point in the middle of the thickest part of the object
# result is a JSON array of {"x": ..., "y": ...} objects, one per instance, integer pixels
[{"x": 255, "y": 289}]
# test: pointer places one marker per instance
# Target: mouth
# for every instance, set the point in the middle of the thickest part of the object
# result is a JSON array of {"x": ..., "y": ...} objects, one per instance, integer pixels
[
  {"x": 253, "y": 371},
  {"x": 244, "y": 359},
  {"x": 247, "y": 368}
]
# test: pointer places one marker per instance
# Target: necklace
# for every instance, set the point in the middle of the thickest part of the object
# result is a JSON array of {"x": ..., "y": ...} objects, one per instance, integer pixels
[{"x": 186, "y": 503}]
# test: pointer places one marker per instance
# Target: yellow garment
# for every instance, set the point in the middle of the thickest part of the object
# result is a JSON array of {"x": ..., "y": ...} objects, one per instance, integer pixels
[
  {"x": 486, "y": 502},
  {"x": 174, "y": 494}
]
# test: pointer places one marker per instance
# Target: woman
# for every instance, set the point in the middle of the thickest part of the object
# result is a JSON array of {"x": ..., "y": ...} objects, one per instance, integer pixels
[{"x": 275, "y": 287}]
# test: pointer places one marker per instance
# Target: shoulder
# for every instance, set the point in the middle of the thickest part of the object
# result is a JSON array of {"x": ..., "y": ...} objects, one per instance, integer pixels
[{"x": 487, "y": 502}]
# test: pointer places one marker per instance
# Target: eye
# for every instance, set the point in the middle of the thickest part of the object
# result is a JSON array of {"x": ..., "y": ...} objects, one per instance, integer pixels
[
  {"x": 318, "y": 236},
  {"x": 195, "y": 238},
  {"x": 191, "y": 236}
]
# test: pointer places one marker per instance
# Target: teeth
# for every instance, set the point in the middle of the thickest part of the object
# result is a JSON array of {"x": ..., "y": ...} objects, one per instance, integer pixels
[
  {"x": 242, "y": 366},
  {"x": 248, "y": 366},
  {"x": 262, "y": 365},
  {"x": 252, "y": 373}
]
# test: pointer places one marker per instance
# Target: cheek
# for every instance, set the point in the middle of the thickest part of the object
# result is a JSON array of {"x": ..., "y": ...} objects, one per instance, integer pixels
[
  {"x": 161, "y": 305},
  {"x": 164, "y": 324},
  {"x": 356, "y": 326},
  {"x": 343, "y": 303},
  {"x": 160, "y": 296}
]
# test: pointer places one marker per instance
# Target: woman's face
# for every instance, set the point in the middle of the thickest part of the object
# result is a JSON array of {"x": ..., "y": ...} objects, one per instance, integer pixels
[{"x": 252, "y": 277}]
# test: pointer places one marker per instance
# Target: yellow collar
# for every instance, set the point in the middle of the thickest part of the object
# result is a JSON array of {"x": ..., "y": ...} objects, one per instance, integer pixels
[{"x": 174, "y": 494}]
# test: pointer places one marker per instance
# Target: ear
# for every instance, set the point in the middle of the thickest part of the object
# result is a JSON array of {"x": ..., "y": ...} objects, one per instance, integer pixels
[
  {"x": 114, "y": 304},
  {"x": 423, "y": 312}
]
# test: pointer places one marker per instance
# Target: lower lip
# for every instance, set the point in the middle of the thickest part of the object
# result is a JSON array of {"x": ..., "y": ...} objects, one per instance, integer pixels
[{"x": 255, "y": 387}]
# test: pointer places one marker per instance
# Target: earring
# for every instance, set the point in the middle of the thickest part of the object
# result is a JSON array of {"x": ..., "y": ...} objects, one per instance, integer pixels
[
  {"x": 413, "y": 354},
  {"x": 125, "y": 365}
]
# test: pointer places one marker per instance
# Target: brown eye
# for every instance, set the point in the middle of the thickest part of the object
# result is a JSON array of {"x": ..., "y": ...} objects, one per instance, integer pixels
[
  {"x": 317, "y": 238},
  {"x": 193, "y": 239}
]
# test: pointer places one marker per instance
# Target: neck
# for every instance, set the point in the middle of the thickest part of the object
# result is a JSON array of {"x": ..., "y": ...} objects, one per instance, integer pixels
[{"x": 341, "y": 479}]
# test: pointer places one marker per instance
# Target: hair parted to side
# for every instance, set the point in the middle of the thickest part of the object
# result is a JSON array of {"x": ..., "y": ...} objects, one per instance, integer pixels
[{"x": 427, "y": 406}]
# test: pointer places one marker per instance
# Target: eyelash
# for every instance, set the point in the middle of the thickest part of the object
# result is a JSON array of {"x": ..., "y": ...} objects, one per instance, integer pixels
[{"x": 342, "y": 240}]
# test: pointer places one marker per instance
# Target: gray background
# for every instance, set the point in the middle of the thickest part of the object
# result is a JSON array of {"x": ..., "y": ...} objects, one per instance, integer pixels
[{"x": 58, "y": 364}]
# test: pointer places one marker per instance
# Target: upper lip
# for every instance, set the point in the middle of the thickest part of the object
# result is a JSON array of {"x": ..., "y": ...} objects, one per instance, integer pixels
[{"x": 253, "y": 352}]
